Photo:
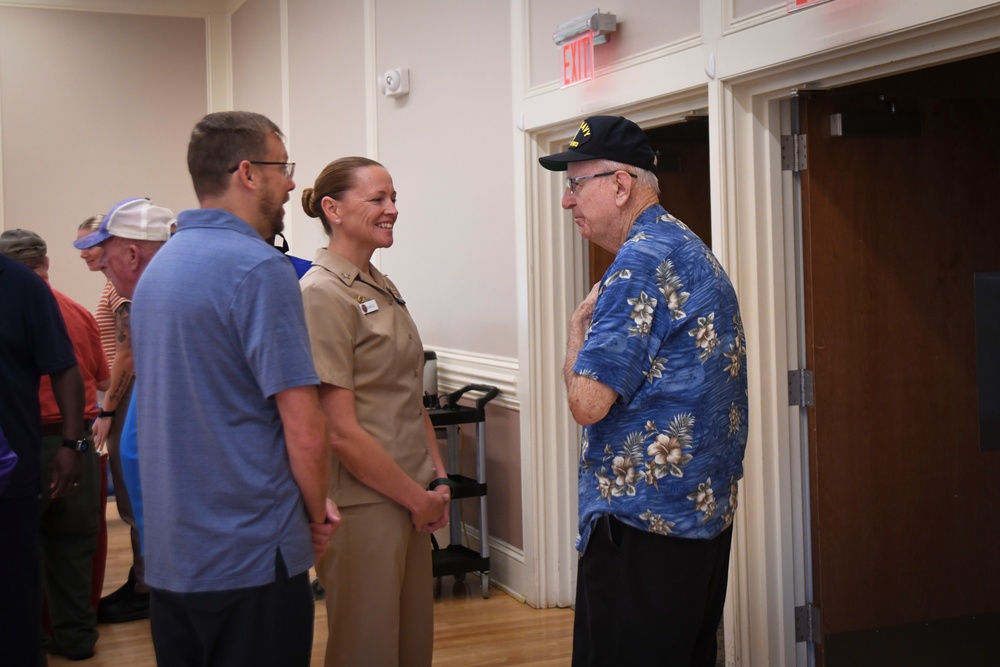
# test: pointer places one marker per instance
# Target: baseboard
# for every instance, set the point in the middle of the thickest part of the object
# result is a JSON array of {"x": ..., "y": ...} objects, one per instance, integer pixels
[{"x": 507, "y": 570}]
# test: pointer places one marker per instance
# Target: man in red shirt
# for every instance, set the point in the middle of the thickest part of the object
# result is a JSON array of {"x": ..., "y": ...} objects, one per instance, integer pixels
[{"x": 69, "y": 524}]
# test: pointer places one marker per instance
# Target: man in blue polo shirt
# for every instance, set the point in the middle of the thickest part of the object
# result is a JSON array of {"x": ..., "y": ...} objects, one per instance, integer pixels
[
  {"x": 233, "y": 453},
  {"x": 656, "y": 371}
]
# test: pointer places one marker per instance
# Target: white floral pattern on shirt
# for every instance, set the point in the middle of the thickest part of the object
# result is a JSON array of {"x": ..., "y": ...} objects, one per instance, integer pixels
[{"x": 667, "y": 337}]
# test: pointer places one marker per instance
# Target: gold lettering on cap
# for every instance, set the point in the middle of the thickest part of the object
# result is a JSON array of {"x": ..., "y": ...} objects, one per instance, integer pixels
[{"x": 581, "y": 134}]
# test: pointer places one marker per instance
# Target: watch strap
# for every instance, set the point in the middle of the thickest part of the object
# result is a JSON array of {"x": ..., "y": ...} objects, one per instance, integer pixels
[{"x": 80, "y": 445}]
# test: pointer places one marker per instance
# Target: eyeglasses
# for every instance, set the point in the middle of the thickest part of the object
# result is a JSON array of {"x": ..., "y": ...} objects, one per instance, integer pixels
[
  {"x": 571, "y": 183},
  {"x": 289, "y": 167}
]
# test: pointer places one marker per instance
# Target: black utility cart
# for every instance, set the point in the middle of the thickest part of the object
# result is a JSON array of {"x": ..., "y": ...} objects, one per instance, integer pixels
[{"x": 456, "y": 559}]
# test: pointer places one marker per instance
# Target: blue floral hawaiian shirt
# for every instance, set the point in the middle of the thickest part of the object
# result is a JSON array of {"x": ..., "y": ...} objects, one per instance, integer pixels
[{"x": 666, "y": 334}]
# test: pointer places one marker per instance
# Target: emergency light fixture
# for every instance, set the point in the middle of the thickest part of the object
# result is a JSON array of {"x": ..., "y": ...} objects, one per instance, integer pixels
[{"x": 594, "y": 20}]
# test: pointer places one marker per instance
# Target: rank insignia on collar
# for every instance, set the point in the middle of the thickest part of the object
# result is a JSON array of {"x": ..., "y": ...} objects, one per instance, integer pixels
[{"x": 395, "y": 295}]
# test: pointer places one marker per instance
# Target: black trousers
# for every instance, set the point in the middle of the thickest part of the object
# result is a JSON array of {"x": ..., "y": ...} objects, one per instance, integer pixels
[
  {"x": 20, "y": 584},
  {"x": 68, "y": 542},
  {"x": 263, "y": 625},
  {"x": 648, "y": 599}
]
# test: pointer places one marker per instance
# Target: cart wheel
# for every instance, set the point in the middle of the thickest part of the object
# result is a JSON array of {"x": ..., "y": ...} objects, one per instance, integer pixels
[{"x": 486, "y": 584}]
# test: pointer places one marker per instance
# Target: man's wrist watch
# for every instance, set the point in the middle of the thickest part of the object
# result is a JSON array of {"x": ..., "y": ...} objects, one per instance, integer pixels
[
  {"x": 105, "y": 413},
  {"x": 80, "y": 445}
]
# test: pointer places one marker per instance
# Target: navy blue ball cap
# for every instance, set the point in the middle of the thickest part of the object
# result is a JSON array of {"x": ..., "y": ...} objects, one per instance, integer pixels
[{"x": 606, "y": 138}]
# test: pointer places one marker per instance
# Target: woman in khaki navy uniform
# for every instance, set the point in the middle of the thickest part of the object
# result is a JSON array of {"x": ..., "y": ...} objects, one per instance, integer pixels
[{"x": 388, "y": 478}]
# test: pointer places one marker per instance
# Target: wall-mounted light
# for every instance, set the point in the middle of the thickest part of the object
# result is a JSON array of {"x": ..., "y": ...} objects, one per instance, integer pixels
[
  {"x": 594, "y": 20},
  {"x": 395, "y": 82}
]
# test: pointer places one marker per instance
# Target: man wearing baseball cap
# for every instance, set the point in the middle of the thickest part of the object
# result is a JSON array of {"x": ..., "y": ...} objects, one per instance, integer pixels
[
  {"x": 655, "y": 371},
  {"x": 130, "y": 234}
]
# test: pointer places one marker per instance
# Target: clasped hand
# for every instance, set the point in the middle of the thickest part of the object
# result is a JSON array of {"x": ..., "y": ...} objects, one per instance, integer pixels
[
  {"x": 322, "y": 532},
  {"x": 433, "y": 512}
]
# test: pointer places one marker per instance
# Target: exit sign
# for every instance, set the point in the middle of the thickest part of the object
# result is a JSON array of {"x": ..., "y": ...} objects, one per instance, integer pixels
[
  {"x": 795, "y": 5},
  {"x": 578, "y": 59}
]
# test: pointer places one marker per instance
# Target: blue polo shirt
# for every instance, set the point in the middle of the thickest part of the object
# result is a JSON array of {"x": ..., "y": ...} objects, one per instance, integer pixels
[
  {"x": 218, "y": 330},
  {"x": 666, "y": 334}
]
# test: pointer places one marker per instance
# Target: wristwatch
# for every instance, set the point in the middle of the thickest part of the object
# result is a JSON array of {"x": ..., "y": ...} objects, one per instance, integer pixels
[{"x": 80, "y": 445}]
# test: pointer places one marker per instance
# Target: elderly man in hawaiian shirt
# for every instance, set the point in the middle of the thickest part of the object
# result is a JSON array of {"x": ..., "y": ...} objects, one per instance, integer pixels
[{"x": 656, "y": 373}]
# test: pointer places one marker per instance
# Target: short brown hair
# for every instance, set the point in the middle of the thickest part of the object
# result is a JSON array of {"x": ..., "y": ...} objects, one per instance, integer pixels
[
  {"x": 222, "y": 140},
  {"x": 336, "y": 179}
]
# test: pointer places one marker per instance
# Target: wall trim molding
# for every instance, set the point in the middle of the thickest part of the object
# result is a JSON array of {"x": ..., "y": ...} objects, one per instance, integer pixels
[
  {"x": 733, "y": 23},
  {"x": 507, "y": 570},
  {"x": 457, "y": 368}
]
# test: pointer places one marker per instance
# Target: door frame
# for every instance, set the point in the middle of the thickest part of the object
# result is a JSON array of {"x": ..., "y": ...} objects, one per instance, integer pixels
[{"x": 774, "y": 572}]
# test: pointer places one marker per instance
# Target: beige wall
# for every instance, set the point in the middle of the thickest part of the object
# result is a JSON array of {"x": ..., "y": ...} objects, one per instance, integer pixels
[
  {"x": 503, "y": 474},
  {"x": 257, "y": 59},
  {"x": 94, "y": 108},
  {"x": 447, "y": 145},
  {"x": 327, "y": 101},
  {"x": 745, "y": 8}
]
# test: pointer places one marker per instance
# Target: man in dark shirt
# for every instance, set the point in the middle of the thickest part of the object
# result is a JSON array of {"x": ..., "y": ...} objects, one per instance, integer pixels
[
  {"x": 33, "y": 343},
  {"x": 69, "y": 526}
]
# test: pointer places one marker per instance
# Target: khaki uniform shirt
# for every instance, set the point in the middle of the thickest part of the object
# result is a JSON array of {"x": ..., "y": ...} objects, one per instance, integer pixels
[{"x": 363, "y": 339}]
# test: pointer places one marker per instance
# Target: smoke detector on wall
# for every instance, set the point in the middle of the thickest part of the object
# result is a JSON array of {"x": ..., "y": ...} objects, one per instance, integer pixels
[{"x": 395, "y": 82}]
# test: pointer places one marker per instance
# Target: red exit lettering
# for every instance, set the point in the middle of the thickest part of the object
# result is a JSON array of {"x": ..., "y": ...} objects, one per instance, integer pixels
[{"x": 578, "y": 59}]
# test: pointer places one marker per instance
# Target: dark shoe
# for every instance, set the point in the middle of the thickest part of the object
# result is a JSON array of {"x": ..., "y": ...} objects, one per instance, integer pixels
[
  {"x": 71, "y": 654},
  {"x": 130, "y": 606},
  {"x": 123, "y": 590}
]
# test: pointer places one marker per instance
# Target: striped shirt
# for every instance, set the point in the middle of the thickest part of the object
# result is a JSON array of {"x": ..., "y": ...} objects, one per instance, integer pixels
[{"x": 109, "y": 302}]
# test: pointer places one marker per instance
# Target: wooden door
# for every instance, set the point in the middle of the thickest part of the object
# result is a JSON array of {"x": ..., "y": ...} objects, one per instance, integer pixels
[
  {"x": 903, "y": 502},
  {"x": 684, "y": 184}
]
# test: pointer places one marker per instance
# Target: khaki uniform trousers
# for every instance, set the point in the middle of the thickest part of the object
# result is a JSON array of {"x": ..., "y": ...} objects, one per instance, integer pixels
[{"x": 379, "y": 590}]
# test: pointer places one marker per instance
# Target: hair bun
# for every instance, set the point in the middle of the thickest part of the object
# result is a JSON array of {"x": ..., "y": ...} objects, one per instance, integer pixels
[{"x": 308, "y": 195}]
